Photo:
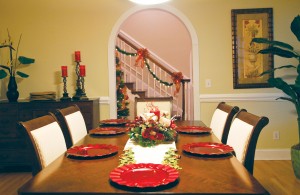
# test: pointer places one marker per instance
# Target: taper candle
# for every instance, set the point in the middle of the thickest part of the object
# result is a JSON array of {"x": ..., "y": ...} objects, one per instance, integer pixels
[
  {"x": 77, "y": 56},
  {"x": 64, "y": 71},
  {"x": 82, "y": 70}
]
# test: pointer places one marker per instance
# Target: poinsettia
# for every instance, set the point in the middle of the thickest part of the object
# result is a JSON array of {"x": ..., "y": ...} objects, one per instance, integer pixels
[{"x": 148, "y": 130}]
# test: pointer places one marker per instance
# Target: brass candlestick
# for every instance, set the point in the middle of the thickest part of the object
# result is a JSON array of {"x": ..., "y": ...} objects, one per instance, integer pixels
[{"x": 65, "y": 94}]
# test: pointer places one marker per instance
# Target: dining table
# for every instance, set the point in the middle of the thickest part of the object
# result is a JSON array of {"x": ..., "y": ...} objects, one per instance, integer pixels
[{"x": 199, "y": 174}]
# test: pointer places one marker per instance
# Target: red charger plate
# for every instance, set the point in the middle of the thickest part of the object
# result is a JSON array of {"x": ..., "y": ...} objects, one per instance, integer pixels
[
  {"x": 193, "y": 129},
  {"x": 114, "y": 122},
  {"x": 144, "y": 175},
  {"x": 207, "y": 148},
  {"x": 108, "y": 130},
  {"x": 92, "y": 150}
]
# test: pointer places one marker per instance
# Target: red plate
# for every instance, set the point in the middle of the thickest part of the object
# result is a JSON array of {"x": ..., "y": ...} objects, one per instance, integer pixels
[
  {"x": 193, "y": 129},
  {"x": 207, "y": 148},
  {"x": 108, "y": 130},
  {"x": 114, "y": 122},
  {"x": 92, "y": 150},
  {"x": 144, "y": 175}
]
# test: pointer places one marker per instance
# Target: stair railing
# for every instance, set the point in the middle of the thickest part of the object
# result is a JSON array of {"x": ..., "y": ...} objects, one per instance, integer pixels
[{"x": 155, "y": 86}]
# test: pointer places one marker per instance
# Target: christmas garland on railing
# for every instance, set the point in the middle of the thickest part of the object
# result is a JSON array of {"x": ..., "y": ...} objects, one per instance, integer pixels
[{"x": 141, "y": 60}]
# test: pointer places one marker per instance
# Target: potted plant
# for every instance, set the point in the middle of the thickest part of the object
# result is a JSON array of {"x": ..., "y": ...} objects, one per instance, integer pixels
[
  {"x": 292, "y": 91},
  {"x": 14, "y": 62}
]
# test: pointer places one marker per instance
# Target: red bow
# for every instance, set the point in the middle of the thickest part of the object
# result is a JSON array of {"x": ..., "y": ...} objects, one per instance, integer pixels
[
  {"x": 177, "y": 77},
  {"x": 142, "y": 54}
]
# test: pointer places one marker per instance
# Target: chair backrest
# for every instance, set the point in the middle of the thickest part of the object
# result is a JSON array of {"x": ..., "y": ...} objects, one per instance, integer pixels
[
  {"x": 243, "y": 135},
  {"x": 72, "y": 124},
  {"x": 164, "y": 104},
  {"x": 221, "y": 120},
  {"x": 45, "y": 139}
]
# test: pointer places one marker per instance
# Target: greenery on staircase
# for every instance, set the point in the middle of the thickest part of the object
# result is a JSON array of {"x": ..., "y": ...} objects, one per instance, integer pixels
[{"x": 122, "y": 97}]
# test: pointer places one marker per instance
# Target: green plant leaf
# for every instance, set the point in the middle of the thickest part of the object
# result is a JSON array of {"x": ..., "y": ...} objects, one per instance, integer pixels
[
  {"x": 3, "y": 74},
  {"x": 25, "y": 60},
  {"x": 287, "y": 99},
  {"x": 22, "y": 74},
  {"x": 282, "y": 85},
  {"x": 295, "y": 27},
  {"x": 5, "y": 67},
  {"x": 274, "y": 69},
  {"x": 279, "y": 52},
  {"x": 275, "y": 43}
]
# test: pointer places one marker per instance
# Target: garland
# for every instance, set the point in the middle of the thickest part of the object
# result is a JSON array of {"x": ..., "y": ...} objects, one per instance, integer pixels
[{"x": 142, "y": 55}]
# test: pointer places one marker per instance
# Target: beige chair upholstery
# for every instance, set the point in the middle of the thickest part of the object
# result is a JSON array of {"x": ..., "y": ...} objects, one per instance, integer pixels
[
  {"x": 243, "y": 136},
  {"x": 45, "y": 139},
  {"x": 72, "y": 123},
  {"x": 163, "y": 103},
  {"x": 221, "y": 120}
]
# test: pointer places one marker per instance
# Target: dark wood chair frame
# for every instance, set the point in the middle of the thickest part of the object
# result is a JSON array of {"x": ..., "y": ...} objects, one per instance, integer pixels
[
  {"x": 258, "y": 124},
  {"x": 231, "y": 110},
  {"x": 26, "y": 128},
  {"x": 60, "y": 116},
  {"x": 154, "y": 99}
]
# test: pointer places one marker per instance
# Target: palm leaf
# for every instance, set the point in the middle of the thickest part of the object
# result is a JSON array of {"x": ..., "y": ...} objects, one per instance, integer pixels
[
  {"x": 278, "y": 51},
  {"x": 274, "y": 69},
  {"x": 25, "y": 60},
  {"x": 274, "y": 43},
  {"x": 283, "y": 86},
  {"x": 3, "y": 74},
  {"x": 295, "y": 27},
  {"x": 22, "y": 74}
]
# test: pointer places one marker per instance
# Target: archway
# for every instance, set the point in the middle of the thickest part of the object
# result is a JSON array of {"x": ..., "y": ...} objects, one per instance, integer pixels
[{"x": 111, "y": 56}]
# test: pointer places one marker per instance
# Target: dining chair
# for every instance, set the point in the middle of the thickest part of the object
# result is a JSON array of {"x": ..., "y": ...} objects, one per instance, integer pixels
[
  {"x": 243, "y": 135},
  {"x": 164, "y": 104},
  {"x": 72, "y": 124},
  {"x": 221, "y": 120},
  {"x": 45, "y": 139}
]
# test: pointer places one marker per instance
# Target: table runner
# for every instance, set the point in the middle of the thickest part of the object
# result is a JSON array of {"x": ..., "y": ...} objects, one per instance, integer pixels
[{"x": 153, "y": 154}]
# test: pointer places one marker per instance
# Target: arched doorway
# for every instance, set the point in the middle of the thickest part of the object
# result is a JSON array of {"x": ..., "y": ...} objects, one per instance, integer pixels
[{"x": 194, "y": 56}]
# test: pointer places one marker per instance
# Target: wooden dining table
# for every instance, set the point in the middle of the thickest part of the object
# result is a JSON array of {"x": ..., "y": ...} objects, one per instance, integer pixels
[{"x": 222, "y": 174}]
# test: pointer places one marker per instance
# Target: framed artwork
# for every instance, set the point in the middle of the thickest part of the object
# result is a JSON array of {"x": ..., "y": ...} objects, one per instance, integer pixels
[{"x": 247, "y": 24}]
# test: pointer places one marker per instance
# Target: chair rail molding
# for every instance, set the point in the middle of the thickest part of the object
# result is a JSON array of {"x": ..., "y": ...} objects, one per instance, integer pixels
[{"x": 241, "y": 97}]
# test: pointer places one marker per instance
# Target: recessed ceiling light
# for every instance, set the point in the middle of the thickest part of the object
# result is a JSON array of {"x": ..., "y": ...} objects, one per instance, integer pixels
[{"x": 149, "y": 2}]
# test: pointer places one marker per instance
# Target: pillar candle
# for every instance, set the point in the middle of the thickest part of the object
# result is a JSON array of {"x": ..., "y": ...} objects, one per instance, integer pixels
[
  {"x": 77, "y": 56},
  {"x": 82, "y": 70},
  {"x": 64, "y": 71}
]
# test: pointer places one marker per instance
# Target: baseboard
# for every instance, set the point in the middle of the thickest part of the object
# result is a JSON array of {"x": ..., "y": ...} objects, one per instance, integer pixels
[{"x": 273, "y": 154}]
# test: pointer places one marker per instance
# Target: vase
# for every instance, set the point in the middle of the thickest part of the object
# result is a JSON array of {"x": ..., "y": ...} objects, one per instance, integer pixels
[
  {"x": 12, "y": 93},
  {"x": 295, "y": 156}
]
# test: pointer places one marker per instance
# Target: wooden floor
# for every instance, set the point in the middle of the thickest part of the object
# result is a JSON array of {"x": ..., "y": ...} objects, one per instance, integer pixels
[{"x": 276, "y": 176}]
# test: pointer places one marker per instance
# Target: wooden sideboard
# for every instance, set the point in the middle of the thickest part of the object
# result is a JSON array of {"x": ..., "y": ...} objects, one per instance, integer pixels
[{"x": 13, "y": 149}]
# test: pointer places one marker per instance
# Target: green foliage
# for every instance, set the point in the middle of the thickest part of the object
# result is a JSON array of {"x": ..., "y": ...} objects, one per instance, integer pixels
[
  {"x": 285, "y": 50},
  {"x": 13, "y": 63}
]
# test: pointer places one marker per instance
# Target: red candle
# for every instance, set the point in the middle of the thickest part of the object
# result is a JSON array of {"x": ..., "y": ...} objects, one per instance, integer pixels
[
  {"x": 77, "y": 56},
  {"x": 64, "y": 71},
  {"x": 82, "y": 70}
]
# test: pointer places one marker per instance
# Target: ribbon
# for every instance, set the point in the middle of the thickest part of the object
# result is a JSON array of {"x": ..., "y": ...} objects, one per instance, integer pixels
[
  {"x": 142, "y": 54},
  {"x": 177, "y": 77}
]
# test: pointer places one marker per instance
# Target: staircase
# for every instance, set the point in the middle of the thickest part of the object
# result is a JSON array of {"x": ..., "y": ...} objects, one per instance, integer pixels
[{"x": 142, "y": 83}]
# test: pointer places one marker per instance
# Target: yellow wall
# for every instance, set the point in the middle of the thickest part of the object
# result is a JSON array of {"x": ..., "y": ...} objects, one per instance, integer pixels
[{"x": 53, "y": 29}]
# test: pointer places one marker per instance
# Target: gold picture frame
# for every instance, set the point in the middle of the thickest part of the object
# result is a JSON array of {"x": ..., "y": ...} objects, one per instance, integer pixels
[{"x": 247, "y": 24}]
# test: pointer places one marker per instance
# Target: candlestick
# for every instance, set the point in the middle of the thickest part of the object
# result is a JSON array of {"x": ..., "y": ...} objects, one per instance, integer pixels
[
  {"x": 64, "y": 71},
  {"x": 65, "y": 94},
  {"x": 77, "y": 56},
  {"x": 82, "y": 70}
]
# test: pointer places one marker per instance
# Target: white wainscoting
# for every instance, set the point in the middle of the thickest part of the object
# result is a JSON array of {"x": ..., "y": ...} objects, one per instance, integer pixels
[{"x": 273, "y": 154}]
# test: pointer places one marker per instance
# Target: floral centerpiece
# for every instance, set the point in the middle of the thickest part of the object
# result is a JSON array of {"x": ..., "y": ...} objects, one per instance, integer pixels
[{"x": 149, "y": 130}]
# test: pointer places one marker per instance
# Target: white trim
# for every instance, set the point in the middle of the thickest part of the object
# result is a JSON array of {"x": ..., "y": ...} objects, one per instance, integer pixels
[
  {"x": 273, "y": 154},
  {"x": 104, "y": 100},
  {"x": 240, "y": 97},
  {"x": 111, "y": 55}
]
